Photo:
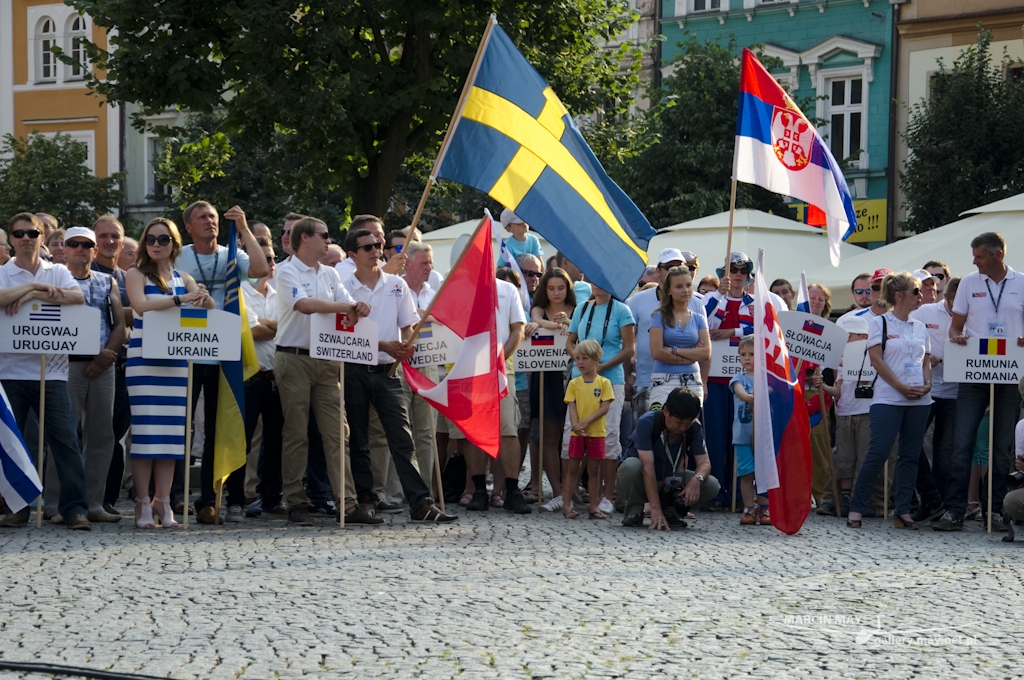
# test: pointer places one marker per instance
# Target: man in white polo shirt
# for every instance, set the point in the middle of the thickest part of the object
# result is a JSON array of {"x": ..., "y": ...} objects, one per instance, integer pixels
[
  {"x": 393, "y": 309},
  {"x": 989, "y": 304},
  {"x": 305, "y": 287},
  {"x": 24, "y": 278}
]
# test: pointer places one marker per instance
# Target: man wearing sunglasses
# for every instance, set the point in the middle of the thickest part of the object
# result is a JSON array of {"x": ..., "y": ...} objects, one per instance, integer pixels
[
  {"x": 24, "y": 278},
  {"x": 876, "y": 304},
  {"x": 394, "y": 265},
  {"x": 861, "y": 289},
  {"x": 940, "y": 271}
]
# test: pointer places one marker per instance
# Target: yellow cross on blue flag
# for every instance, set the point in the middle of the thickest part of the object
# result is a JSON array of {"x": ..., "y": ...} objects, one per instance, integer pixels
[{"x": 515, "y": 141}]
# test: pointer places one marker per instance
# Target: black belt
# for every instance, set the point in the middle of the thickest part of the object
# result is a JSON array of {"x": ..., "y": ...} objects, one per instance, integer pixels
[
  {"x": 379, "y": 368},
  {"x": 262, "y": 375},
  {"x": 293, "y": 350}
]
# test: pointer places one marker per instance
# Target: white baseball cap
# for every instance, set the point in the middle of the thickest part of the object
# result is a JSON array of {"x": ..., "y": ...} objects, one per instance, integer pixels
[
  {"x": 922, "y": 274},
  {"x": 853, "y": 324},
  {"x": 670, "y": 255},
  {"x": 508, "y": 217},
  {"x": 80, "y": 232}
]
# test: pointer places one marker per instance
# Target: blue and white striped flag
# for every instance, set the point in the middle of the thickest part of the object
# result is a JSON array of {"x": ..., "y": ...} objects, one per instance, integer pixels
[
  {"x": 803, "y": 301},
  {"x": 19, "y": 483}
]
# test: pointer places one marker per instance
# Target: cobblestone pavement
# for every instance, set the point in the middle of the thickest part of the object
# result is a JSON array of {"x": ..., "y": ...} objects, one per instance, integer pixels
[{"x": 498, "y": 595}]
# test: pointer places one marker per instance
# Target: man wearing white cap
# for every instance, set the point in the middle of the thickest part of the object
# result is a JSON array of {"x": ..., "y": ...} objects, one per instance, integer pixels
[
  {"x": 928, "y": 286},
  {"x": 521, "y": 242},
  {"x": 643, "y": 305}
]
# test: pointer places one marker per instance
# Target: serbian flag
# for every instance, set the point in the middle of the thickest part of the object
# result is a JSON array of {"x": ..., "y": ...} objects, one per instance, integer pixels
[
  {"x": 782, "y": 431},
  {"x": 467, "y": 303},
  {"x": 778, "y": 148}
]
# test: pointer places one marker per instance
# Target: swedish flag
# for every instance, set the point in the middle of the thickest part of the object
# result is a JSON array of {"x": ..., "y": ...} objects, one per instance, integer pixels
[{"x": 515, "y": 141}]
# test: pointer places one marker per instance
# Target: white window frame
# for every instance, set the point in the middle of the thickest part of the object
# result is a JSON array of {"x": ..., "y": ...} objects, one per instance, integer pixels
[
  {"x": 62, "y": 16},
  {"x": 830, "y": 76},
  {"x": 72, "y": 36},
  {"x": 88, "y": 137},
  {"x": 151, "y": 184},
  {"x": 42, "y": 57},
  {"x": 686, "y": 8}
]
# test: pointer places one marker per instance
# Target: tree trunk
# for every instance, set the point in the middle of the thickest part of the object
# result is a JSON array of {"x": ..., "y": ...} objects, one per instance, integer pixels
[{"x": 372, "y": 194}]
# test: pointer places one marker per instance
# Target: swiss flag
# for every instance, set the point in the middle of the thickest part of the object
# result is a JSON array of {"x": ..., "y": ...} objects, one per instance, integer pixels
[
  {"x": 467, "y": 303},
  {"x": 343, "y": 323}
]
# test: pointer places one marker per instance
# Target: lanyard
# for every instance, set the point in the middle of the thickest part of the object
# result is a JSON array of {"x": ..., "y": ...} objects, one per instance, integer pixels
[
  {"x": 668, "y": 450},
  {"x": 202, "y": 274},
  {"x": 590, "y": 320},
  {"x": 995, "y": 302}
]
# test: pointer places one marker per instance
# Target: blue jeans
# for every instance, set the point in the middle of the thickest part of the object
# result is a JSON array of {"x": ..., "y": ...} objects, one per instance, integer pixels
[
  {"x": 717, "y": 420},
  {"x": 909, "y": 423},
  {"x": 61, "y": 436},
  {"x": 971, "y": 400}
]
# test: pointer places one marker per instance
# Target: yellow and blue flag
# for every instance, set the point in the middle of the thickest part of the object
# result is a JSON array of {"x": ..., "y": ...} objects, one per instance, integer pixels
[
  {"x": 516, "y": 142},
  {"x": 229, "y": 443}
]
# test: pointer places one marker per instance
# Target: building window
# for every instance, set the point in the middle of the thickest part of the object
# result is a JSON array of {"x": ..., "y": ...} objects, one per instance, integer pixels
[
  {"x": 47, "y": 40},
  {"x": 845, "y": 115},
  {"x": 77, "y": 36},
  {"x": 707, "y": 5},
  {"x": 158, "y": 193}
]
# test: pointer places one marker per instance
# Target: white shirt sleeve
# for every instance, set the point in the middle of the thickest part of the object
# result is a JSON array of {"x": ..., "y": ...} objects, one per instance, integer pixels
[
  {"x": 62, "y": 277},
  {"x": 874, "y": 331},
  {"x": 1019, "y": 439},
  {"x": 407, "y": 315}
]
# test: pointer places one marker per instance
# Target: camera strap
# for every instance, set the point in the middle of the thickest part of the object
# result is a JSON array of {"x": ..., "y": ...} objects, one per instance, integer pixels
[
  {"x": 668, "y": 450},
  {"x": 885, "y": 334}
]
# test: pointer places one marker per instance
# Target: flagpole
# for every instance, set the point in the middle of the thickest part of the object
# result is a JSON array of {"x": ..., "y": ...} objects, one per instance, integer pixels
[
  {"x": 188, "y": 443},
  {"x": 437, "y": 295},
  {"x": 831, "y": 461},
  {"x": 437, "y": 459},
  {"x": 540, "y": 446},
  {"x": 42, "y": 422},
  {"x": 341, "y": 439},
  {"x": 491, "y": 23},
  {"x": 732, "y": 207}
]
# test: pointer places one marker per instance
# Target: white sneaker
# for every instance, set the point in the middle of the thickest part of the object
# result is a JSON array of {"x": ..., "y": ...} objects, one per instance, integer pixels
[
  {"x": 553, "y": 505},
  {"x": 606, "y": 506}
]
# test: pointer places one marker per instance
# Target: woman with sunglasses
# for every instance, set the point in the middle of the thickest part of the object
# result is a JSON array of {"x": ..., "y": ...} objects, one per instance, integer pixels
[
  {"x": 899, "y": 348},
  {"x": 679, "y": 339},
  {"x": 157, "y": 387}
]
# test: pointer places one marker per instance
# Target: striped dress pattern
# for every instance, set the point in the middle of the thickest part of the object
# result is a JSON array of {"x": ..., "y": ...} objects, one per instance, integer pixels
[{"x": 157, "y": 392}]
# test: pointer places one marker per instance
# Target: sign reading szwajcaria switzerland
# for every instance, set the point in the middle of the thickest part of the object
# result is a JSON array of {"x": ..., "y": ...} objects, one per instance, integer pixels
[
  {"x": 543, "y": 351},
  {"x": 812, "y": 338},
  {"x": 983, "y": 360},
  {"x": 435, "y": 345},
  {"x": 192, "y": 334},
  {"x": 334, "y": 337},
  {"x": 45, "y": 328}
]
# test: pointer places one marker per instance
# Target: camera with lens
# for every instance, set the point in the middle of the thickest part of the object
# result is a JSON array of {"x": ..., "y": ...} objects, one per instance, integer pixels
[
  {"x": 864, "y": 392},
  {"x": 1015, "y": 478},
  {"x": 670, "y": 495}
]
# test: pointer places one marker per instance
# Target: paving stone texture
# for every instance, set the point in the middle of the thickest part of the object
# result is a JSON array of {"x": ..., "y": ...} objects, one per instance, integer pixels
[{"x": 503, "y": 596}]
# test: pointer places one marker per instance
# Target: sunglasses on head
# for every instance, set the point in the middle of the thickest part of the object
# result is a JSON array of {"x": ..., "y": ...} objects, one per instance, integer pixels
[
  {"x": 369, "y": 247},
  {"x": 531, "y": 274},
  {"x": 162, "y": 240},
  {"x": 861, "y": 291},
  {"x": 79, "y": 244},
  {"x": 22, "y": 233}
]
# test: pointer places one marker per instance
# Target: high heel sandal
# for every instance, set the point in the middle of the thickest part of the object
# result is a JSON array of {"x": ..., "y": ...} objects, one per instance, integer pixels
[
  {"x": 164, "y": 513},
  {"x": 901, "y": 523},
  {"x": 144, "y": 513},
  {"x": 973, "y": 512}
]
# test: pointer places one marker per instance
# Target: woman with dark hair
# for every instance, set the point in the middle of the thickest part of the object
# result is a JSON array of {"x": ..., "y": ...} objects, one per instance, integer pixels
[{"x": 157, "y": 387}]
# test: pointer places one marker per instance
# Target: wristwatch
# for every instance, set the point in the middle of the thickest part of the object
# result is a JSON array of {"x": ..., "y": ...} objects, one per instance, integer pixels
[{"x": 700, "y": 477}]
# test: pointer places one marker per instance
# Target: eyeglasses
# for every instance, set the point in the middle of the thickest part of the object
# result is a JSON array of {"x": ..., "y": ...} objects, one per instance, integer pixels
[
  {"x": 162, "y": 239},
  {"x": 737, "y": 270},
  {"x": 323, "y": 234},
  {"x": 270, "y": 259},
  {"x": 876, "y": 288},
  {"x": 79, "y": 244},
  {"x": 22, "y": 233},
  {"x": 862, "y": 291},
  {"x": 369, "y": 247},
  {"x": 939, "y": 276},
  {"x": 532, "y": 275},
  {"x": 917, "y": 291}
]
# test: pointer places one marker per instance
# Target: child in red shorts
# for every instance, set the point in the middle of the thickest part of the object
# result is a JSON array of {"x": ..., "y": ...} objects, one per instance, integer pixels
[{"x": 589, "y": 398}]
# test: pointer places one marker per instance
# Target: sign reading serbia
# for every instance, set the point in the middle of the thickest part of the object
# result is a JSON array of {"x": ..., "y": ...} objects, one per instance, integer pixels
[
  {"x": 725, "y": 358},
  {"x": 983, "y": 360},
  {"x": 812, "y": 338},
  {"x": 435, "y": 345},
  {"x": 192, "y": 333},
  {"x": 543, "y": 351},
  {"x": 334, "y": 337},
  {"x": 44, "y": 328}
]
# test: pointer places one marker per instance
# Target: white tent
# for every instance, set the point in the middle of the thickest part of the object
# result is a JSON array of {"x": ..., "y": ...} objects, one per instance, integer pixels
[
  {"x": 789, "y": 246},
  {"x": 950, "y": 244}
]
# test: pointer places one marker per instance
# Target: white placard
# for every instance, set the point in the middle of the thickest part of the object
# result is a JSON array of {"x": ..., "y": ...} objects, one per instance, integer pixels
[
  {"x": 192, "y": 334},
  {"x": 335, "y": 338},
  {"x": 543, "y": 351},
  {"x": 435, "y": 345},
  {"x": 853, "y": 355},
  {"x": 813, "y": 338},
  {"x": 46, "y": 328},
  {"x": 725, "y": 358},
  {"x": 983, "y": 360}
]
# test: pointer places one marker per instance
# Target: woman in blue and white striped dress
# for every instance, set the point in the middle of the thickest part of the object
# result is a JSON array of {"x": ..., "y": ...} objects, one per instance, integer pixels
[{"x": 157, "y": 388}]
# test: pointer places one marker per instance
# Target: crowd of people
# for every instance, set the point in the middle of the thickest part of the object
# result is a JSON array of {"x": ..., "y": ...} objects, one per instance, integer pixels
[{"x": 661, "y": 437}]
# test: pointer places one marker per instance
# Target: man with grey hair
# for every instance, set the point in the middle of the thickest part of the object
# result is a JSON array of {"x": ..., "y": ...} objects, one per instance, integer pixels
[{"x": 129, "y": 249}]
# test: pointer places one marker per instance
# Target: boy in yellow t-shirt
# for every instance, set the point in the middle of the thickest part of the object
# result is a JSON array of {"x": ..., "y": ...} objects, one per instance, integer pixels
[{"x": 589, "y": 398}]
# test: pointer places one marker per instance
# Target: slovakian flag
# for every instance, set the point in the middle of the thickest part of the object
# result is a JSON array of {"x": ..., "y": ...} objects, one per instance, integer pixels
[
  {"x": 778, "y": 148},
  {"x": 467, "y": 303},
  {"x": 782, "y": 430}
]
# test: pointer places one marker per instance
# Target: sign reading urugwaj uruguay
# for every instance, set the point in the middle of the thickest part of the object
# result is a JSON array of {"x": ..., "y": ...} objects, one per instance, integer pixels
[
  {"x": 334, "y": 337},
  {"x": 45, "y": 328},
  {"x": 983, "y": 360},
  {"x": 192, "y": 333},
  {"x": 435, "y": 345},
  {"x": 543, "y": 351},
  {"x": 725, "y": 358},
  {"x": 813, "y": 338}
]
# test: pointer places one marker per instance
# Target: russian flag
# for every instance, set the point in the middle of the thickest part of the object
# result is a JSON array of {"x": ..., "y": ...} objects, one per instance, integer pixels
[
  {"x": 778, "y": 148},
  {"x": 19, "y": 483},
  {"x": 782, "y": 436}
]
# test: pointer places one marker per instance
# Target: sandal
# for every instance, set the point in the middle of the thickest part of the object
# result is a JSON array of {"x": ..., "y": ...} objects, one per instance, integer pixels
[
  {"x": 973, "y": 511},
  {"x": 597, "y": 514},
  {"x": 497, "y": 501},
  {"x": 853, "y": 523},
  {"x": 465, "y": 499},
  {"x": 572, "y": 514}
]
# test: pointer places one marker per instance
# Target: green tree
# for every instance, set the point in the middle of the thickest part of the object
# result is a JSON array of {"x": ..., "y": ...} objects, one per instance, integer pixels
[
  {"x": 964, "y": 143},
  {"x": 42, "y": 174},
  {"x": 353, "y": 87},
  {"x": 687, "y": 172}
]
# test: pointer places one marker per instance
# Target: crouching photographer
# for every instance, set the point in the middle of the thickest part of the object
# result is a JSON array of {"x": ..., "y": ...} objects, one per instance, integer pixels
[{"x": 653, "y": 468}]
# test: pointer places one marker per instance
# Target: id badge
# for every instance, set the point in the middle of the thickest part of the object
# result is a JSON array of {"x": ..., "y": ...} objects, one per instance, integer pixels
[
  {"x": 673, "y": 480},
  {"x": 997, "y": 329},
  {"x": 914, "y": 374}
]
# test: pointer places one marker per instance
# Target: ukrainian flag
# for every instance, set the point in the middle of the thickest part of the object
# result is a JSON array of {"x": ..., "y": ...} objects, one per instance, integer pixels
[
  {"x": 229, "y": 443},
  {"x": 515, "y": 141},
  {"x": 192, "y": 318}
]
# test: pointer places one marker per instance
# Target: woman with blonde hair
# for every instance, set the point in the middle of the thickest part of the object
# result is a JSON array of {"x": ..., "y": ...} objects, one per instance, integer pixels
[
  {"x": 820, "y": 299},
  {"x": 157, "y": 388},
  {"x": 679, "y": 339}
]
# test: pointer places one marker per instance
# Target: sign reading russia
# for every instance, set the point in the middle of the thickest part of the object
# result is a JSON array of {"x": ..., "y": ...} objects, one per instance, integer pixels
[
  {"x": 812, "y": 338},
  {"x": 983, "y": 360},
  {"x": 543, "y": 351},
  {"x": 334, "y": 337},
  {"x": 435, "y": 345},
  {"x": 44, "y": 328},
  {"x": 192, "y": 333}
]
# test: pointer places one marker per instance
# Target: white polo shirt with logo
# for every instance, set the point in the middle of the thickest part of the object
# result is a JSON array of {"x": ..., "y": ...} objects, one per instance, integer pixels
[
  {"x": 937, "y": 319},
  {"x": 26, "y": 366},
  {"x": 259, "y": 306},
  {"x": 977, "y": 299},
  {"x": 296, "y": 281},
  {"x": 392, "y": 307}
]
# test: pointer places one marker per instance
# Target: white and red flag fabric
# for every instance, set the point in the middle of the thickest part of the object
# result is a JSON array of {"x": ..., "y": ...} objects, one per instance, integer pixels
[
  {"x": 470, "y": 394},
  {"x": 782, "y": 430}
]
